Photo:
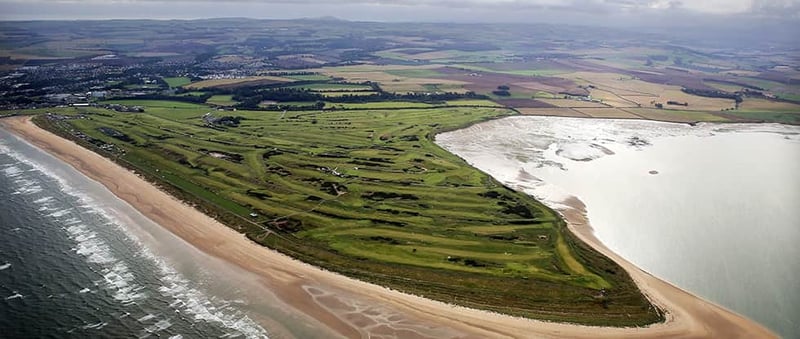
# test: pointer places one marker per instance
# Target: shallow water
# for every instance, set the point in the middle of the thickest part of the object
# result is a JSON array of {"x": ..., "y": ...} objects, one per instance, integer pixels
[
  {"x": 711, "y": 208},
  {"x": 75, "y": 261}
]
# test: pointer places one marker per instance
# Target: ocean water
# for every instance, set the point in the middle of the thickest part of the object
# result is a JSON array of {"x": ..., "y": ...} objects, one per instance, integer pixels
[
  {"x": 76, "y": 262},
  {"x": 713, "y": 209}
]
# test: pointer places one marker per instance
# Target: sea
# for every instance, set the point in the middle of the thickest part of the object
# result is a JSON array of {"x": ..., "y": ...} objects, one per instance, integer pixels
[
  {"x": 711, "y": 208},
  {"x": 76, "y": 262}
]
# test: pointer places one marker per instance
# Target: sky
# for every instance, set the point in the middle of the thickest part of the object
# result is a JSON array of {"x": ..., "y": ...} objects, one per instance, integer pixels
[{"x": 607, "y": 12}]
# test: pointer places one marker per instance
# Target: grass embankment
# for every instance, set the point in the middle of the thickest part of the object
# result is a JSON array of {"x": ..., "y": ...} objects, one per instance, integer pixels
[{"x": 368, "y": 194}]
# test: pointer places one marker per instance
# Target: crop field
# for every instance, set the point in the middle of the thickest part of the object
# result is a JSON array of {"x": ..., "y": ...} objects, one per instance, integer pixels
[
  {"x": 379, "y": 105},
  {"x": 763, "y": 105},
  {"x": 191, "y": 94},
  {"x": 222, "y": 100},
  {"x": 367, "y": 193},
  {"x": 530, "y": 70},
  {"x": 443, "y": 56},
  {"x": 415, "y": 73},
  {"x": 787, "y": 117},
  {"x": 675, "y": 115},
  {"x": 607, "y": 112},
  {"x": 341, "y": 94},
  {"x": 573, "y": 103},
  {"x": 723, "y": 86},
  {"x": 307, "y": 77},
  {"x": 556, "y": 112},
  {"x": 468, "y": 102},
  {"x": 633, "y": 113},
  {"x": 411, "y": 104},
  {"x": 627, "y": 92},
  {"x": 332, "y": 87},
  {"x": 177, "y": 81},
  {"x": 237, "y": 82},
  {"x": 395, "y": 78}
]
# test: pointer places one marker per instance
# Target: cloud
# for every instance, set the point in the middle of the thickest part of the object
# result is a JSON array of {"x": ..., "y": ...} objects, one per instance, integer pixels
[{"x": 403, "y": 10}]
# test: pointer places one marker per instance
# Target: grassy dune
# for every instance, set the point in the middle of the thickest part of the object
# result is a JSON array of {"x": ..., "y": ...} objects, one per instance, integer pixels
[{"x": 368, "y": 194}]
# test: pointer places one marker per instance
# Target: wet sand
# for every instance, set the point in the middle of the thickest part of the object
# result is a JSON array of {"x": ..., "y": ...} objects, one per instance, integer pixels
[{"x": 352, "y": 308}]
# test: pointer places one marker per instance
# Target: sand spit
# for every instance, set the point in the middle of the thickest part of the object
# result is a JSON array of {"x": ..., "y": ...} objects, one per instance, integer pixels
[{"x": 352, "y": 308}]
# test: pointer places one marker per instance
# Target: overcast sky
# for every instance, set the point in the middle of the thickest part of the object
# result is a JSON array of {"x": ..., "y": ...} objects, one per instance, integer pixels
[{"x": 610, "y": 12}]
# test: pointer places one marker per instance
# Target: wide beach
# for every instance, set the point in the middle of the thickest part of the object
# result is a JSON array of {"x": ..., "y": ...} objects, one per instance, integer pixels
[{"x": 355, "y": 309}]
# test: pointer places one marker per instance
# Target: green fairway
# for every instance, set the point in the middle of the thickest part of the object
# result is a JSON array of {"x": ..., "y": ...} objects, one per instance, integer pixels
[{"x": 368, "y": 193}]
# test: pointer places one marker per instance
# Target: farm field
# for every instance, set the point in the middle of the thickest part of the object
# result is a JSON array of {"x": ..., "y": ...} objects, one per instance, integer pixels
[
  {"x": 379, "y": 105},
  {"x": 572, "y": 103},
  {"x": 340, "y": 94},
  {"x": 763, "y": 105},
  {"x": 175, "y": 82},
  {"x": 307, "y": 77},
  {"x": 395, "y": 78},
  {"x": 468, "y": 102},
  {"x": 332, "y": 87},
  {"x": 607, "y": 113},
  {"x": 556, "y": 112},
  {"x": 237, "y": 82},
  {"x": 675, "y": 115},
  {"x": 624, "y": 91},
  {"x": 222, "y": 100},
  {"x": 367, "y": 191},
  {"x": 767, "y": 116}
]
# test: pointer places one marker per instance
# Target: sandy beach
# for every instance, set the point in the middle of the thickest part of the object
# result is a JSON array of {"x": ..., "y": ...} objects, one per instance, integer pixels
[{"x": 357, "y": 309}]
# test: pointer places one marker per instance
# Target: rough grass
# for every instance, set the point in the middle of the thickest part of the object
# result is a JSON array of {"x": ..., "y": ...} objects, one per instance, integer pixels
[{"x": 368, "y": 194}]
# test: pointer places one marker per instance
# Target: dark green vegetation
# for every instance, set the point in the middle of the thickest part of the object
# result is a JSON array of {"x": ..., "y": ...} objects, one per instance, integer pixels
[{"x": 368, "y": 194}]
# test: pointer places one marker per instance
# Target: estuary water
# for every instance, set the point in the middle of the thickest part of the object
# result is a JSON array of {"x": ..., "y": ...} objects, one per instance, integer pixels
[
  {"x": 713, "y": 209},
  {"x": 75, "y": 261}
]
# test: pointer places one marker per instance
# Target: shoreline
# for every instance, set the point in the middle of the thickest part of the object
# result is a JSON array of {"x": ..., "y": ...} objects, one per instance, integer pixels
[{"x": 319, "y": 293}]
